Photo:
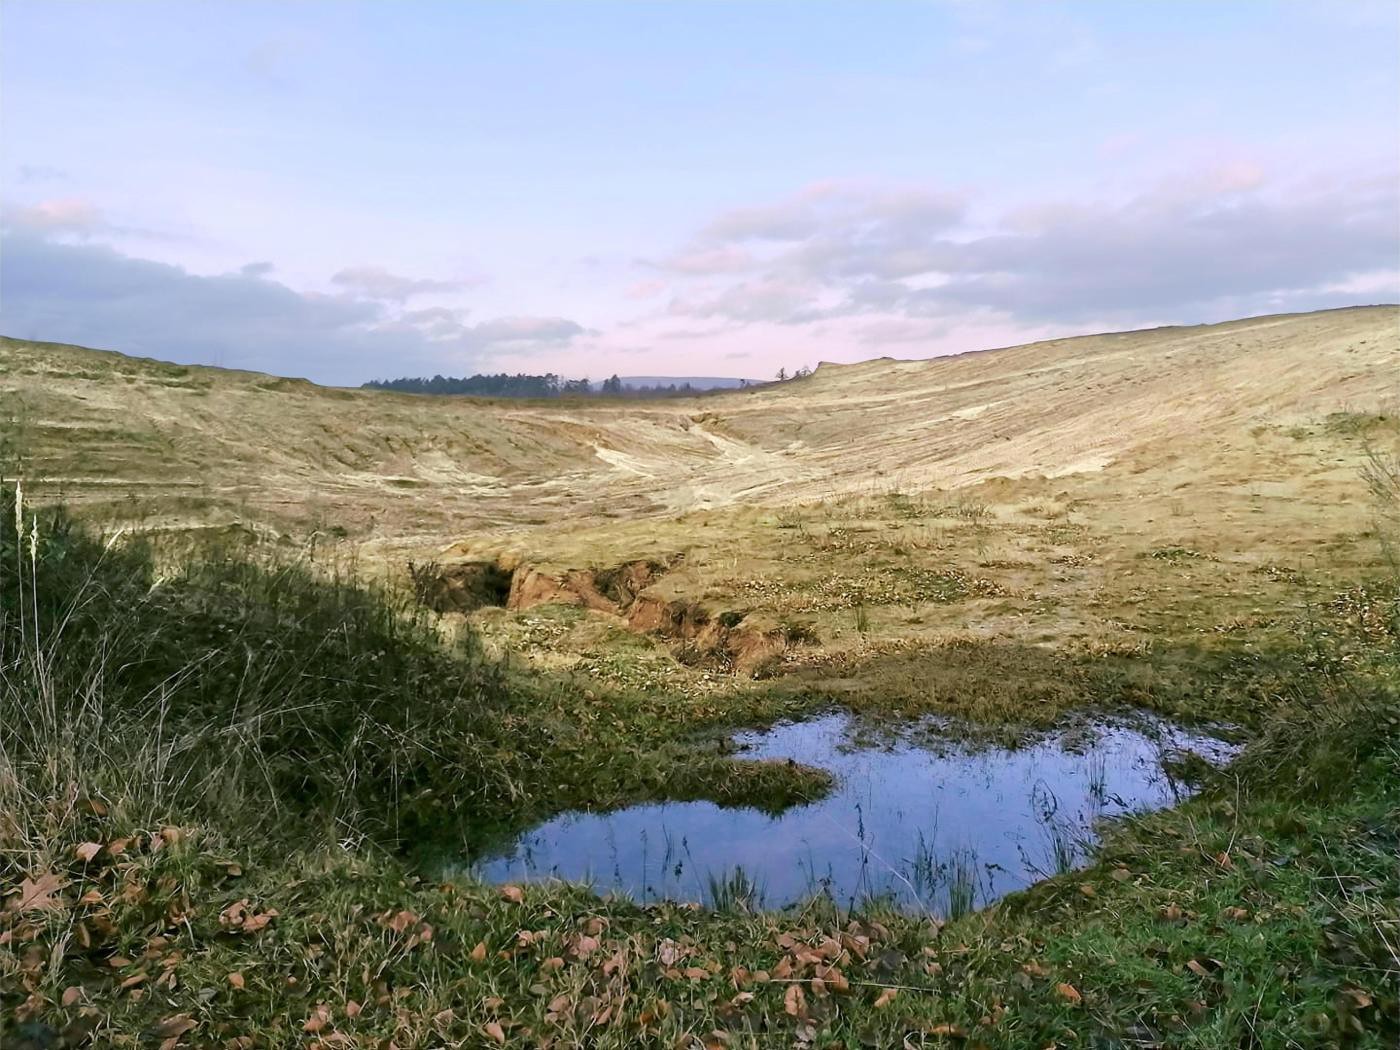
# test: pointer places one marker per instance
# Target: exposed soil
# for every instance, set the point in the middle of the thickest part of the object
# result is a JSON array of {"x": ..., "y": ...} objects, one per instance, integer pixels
[{"x": 730, "y": 640}]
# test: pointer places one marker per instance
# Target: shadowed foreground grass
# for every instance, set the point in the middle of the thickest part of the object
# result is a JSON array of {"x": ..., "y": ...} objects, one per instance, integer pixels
[{"x": 208, "y": 773}]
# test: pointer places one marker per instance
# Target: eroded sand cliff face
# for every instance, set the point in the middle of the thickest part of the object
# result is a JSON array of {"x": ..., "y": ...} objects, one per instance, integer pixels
[{"x": 730, "y": 640}]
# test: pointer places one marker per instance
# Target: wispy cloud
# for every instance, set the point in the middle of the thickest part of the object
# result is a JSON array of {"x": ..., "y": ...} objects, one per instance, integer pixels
[
  {"x": 38, "y": 173},
  {"x": 374, "y": 282},
  {"x": 66, "y": 215}
]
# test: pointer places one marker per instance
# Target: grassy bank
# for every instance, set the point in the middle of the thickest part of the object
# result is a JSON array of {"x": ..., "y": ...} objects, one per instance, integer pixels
[{"x": 211, "y": 766}]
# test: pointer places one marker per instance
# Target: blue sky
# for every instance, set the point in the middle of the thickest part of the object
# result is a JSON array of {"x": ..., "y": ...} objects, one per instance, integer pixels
[{"x": 347, "y": 191}]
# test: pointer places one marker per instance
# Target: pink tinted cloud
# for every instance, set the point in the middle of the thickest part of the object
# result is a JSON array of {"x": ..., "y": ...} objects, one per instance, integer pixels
[
  {"x": 67, "y": 215},
  {"x": 646, "y": 289}
]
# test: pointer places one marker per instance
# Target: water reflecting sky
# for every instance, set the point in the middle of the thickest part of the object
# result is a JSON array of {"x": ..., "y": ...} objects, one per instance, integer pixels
[{"x": 902, "y": 820}]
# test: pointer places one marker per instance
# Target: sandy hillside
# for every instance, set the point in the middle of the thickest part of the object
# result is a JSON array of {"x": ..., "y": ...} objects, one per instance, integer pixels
[
  {"x": 200, "y": 445},
  {"x": 1093, "y": 495}
]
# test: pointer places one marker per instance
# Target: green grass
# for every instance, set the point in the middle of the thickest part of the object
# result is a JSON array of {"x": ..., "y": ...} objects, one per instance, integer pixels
[
  {"x": 213, "y": 771},
  {"x": 1354, "y": 424}
]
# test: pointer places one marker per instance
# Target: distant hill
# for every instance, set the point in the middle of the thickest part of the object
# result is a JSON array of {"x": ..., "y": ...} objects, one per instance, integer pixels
[{"x": 694, "y": 382}]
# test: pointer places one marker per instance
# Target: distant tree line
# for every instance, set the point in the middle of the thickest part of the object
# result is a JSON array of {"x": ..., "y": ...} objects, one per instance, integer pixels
[
  {"x": 502, "y": 385},
  {"x": 521, "y": 385},
  {"x": 802, "y": 373},
  {"x": 551, "y": 385}
]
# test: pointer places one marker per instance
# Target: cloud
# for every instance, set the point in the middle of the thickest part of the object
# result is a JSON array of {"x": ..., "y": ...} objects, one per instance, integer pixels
[
  {"x": 441, "y": 325},
  {"x": 41, "y": 173},
  {"x": 69, "y": 215},
  {"x": 96, "y": 296},
  {"x": 436, "y": 322},
  {"x": 256, "y": 269},
  {"x": 757, "y": 300},
  {"x": 790, "y": 220},
  {"x": 700, "y": 260},
  {"x": 900, "y": 330},
  {"x": 644, "y": 289},
  {"x": 1206, "y": 243},
  {"x": 837, "y": 211},
  {"x": 372, "y": 282},
  {"x": 77, "y": 217},
  {"x": 1233, "y": 243},
  {"x": 514, "y": 331}
]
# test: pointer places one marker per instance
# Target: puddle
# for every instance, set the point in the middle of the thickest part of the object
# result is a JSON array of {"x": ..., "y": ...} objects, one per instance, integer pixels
[{"x": 942, "y": 830}]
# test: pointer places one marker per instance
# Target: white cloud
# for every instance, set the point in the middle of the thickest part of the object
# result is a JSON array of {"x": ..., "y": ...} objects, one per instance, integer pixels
[
  {"x": 1200, "y": 243},
  {"x": 93, "y": 295},
  {"x": 513, "y": 332},
  {"x": 374, "y": 282},
  {"x": 68, "y": 215}
]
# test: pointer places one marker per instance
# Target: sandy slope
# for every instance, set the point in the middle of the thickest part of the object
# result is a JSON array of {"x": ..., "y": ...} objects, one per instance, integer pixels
[{"x": 205, "y": 445}]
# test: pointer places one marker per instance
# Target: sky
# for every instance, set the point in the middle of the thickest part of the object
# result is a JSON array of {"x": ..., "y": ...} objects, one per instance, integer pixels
[{"x": 347, "y": 191}]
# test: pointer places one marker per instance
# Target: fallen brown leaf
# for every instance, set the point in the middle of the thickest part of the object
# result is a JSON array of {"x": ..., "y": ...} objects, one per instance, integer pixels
[
  {"x": 794, "y": 1001},
  {"x": 668, "y": 952},
  {"x": 319, "y": 1018},
  {"x": 1359, "y": 997},
  {"x": 254, "y": 923},
  {"x": 175, "y": 1026},
  {"x": 585, "y": 946},
  {"x": 38, "y": 894}
]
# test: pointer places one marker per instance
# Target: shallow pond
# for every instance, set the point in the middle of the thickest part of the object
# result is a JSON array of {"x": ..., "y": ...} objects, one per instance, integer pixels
[{"x": 945, "y": 828}]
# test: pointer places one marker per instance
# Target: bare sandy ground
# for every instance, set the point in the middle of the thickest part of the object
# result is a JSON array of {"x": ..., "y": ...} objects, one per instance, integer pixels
[{"x": 400, "y": 473}]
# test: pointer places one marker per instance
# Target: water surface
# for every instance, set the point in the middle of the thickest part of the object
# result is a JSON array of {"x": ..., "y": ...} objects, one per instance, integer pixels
[{"x": 941, "y": 829}]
